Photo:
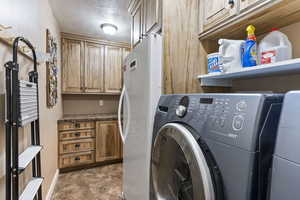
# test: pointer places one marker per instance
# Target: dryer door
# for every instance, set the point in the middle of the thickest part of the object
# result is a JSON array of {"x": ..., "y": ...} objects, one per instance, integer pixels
[{"x": 179, "y": 168}]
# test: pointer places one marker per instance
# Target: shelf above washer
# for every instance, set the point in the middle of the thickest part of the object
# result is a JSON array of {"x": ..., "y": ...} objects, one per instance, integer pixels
[{"x": 225, "y": 79}]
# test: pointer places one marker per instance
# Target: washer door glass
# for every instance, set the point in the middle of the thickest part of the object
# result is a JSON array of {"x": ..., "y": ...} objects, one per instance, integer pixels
[{"x": 179, "y": 168}]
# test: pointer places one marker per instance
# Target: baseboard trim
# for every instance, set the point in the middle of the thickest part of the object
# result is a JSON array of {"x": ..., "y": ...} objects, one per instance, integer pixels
[{"x": 52, "y": 186}]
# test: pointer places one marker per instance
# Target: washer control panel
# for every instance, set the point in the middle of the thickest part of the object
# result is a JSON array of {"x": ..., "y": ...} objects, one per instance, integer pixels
[
  {"x": 224, "y": 115},
  {"x": 233, "y": 119}
]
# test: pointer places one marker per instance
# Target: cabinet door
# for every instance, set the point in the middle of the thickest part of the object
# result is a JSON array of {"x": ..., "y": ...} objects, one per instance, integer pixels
[
  {"x": 107, "y": 141},
  {"x": 216, "y": 11},
  {"x": 246, "y": 4},
  {"x": 136, "y": 30},
  {"x": 113, "y": 69},
  {"x": 94, "y": 68},
  {"x": 153, "y": 15},
  {"x": 72, "y": 56}
]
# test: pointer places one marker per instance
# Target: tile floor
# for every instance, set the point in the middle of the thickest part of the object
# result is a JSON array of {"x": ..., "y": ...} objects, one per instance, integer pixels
[{"x": 101, "y": 183}]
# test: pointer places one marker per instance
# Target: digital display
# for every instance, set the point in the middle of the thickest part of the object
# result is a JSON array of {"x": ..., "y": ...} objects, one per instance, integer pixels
[{"x": 206, "y": 100}]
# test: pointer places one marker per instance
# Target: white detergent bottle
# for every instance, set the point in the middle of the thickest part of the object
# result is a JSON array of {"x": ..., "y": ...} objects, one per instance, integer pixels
[
  {"x": 275, "y": 47},
  {"x": 230, "y": 55}
]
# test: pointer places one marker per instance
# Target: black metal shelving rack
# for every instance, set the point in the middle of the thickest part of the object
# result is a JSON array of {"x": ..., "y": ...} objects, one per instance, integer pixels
[{"x": 22, "y": 108}]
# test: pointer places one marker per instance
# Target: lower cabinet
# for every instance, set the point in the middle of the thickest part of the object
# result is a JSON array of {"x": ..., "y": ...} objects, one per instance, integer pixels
[
  {"x": 108, "y": 141},
  {"x": 85, "y": 143}
]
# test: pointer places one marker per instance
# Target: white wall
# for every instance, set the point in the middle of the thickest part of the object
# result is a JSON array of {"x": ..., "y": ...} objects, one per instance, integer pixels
[{"x": 30, "y": 18}]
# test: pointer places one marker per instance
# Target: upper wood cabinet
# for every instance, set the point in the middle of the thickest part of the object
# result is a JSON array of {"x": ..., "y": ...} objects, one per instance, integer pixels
[
  {"x": 73, "y": 53},
  {"x": 113, "y": 69},
  {"x": 108, "y": 141},
  {"x": 153, "y": 15},
  {"x": 246, "y": 4},
  {"x": 94, "y": 68},
  {"x": 229, "y": 18},
  {"x": 146, "y": 18},
  {"x": 91, "y": 66},
  {"x": 216, "y": 11},
  {"x": 137, "y": 25}
]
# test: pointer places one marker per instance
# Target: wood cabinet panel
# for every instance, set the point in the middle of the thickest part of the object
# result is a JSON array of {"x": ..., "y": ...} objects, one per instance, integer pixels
[
  {"x": 137, "y": 17},
  {"x": 66, "y": 126},
  {"x": 72, "y": 61},
  {"x": 146, "y": 18},
  {"x": 121, "y": 149},
  {"x": 107, "y": 141},
  {"x": 246, "y": 4},
  {"x": 77, "y": 159},
  {"x": 77, "y": 134},
  {"x": 153, "y": 15},
  {"x": 181, "y": 47},
  {"x": 76, "y": 146},
  {"x": 216, "y": 11},
  {"x": 264, "y": 14},
  {"x": 94, "y": 68},
  {"x": 84, "y": 61},
  {"x": 113, "y": 69}
]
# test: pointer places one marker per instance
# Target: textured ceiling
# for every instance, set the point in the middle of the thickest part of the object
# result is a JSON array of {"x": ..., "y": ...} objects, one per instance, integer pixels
[{"x": 85, "y": 17}]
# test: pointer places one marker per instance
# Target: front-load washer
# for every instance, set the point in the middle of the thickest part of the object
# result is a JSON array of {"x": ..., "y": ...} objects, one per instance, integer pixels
[
  {"x": 285, "y": 182},
  {"x": 213, "y": 146}
]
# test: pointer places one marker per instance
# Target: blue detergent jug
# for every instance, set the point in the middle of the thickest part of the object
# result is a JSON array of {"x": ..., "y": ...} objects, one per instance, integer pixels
[{"x": 249, "y": 49}]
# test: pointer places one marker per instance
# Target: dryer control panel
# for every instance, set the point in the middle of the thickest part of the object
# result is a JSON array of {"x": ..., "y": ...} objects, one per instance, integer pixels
[{"x": 228, "y": 118}]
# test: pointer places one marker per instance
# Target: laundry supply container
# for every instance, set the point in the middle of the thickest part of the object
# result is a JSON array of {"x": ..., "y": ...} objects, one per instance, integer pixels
[
  {"x": 275, "y": 47},
  {"x": 213, "y": 63},
  {"x": 230, "y": 55}
]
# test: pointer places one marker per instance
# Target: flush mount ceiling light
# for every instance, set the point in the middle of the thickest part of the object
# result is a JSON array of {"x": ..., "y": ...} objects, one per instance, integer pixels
[{"x": 109, "y": 29}]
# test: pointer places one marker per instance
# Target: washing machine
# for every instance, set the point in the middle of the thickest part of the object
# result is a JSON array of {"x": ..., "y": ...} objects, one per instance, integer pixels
[
  {"x": 285, "y": 182},
  {"x": 213, "y": 146}
]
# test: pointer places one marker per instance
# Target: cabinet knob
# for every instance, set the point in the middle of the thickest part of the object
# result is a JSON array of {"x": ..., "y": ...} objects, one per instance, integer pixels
[
  {"x": 77, "y": 134},
  {"x": 77, "y": 158}
]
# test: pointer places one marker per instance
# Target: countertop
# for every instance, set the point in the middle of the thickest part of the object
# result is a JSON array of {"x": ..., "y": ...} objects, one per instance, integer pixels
[{"x": 95, "y": 117}]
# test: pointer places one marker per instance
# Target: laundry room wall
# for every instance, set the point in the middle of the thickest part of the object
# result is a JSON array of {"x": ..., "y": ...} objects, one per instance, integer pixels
[
  {"x": 282, "y": 83},
  {"x": 30, "y": 19},
  {"x": 76, "y": 104}
]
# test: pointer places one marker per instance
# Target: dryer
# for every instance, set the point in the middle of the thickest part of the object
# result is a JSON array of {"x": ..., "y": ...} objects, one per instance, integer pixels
[
  {"x": 285, "y": 182},
  {"x": 213, "y": 146}
]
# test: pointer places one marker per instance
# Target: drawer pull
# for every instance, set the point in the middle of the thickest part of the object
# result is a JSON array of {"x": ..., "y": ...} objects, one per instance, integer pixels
[
  {"x": 77, "y": 158},
  {"x": 77, "y": 134},
  {"x": 77, "y": 145},
  {"x": 77, "y": 125}
]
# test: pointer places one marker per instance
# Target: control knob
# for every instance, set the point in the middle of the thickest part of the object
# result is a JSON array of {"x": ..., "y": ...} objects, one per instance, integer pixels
[{"x": 181, "y": 111}]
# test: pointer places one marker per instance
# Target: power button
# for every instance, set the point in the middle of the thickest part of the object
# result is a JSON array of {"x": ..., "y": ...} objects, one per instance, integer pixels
[{"x": 238, "y": 122}]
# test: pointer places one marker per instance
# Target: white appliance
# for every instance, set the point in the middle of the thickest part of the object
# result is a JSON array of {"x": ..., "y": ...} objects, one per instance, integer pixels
[{"x": 140, "y": 95}]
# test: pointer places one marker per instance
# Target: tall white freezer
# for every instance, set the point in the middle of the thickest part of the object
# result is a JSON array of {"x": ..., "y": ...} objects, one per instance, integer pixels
[{"x": 140, "y": 95}]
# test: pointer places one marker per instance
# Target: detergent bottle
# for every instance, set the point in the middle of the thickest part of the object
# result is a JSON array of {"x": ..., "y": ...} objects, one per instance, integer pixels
[
  {"x": 275, "y": 47},
  {"x": 249, "y": 49},
  {"x": 230, "y": 56}
]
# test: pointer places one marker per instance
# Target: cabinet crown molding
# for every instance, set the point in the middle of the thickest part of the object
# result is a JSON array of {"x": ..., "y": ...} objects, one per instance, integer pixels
[{"x": 84, "y": 38}]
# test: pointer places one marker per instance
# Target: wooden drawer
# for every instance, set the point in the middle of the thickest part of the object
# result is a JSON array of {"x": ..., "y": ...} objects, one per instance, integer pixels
[
  {"x": 75, "y": 146},
  {"x": 72, "y": 160},
  {"x": 76, "y": 125},
  {"x": 79, "y": 134}
]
